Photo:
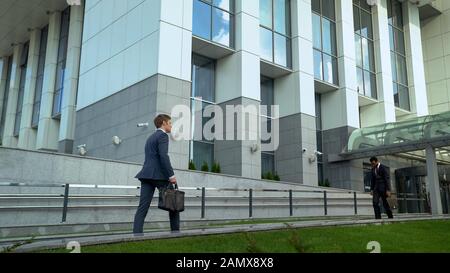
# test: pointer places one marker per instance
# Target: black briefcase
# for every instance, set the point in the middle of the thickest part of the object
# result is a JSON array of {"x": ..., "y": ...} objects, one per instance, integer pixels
[{"x": 171, "y": 199}]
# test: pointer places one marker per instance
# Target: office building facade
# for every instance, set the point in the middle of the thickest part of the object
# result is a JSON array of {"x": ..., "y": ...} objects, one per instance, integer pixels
[{"x": 77, "y": 75}]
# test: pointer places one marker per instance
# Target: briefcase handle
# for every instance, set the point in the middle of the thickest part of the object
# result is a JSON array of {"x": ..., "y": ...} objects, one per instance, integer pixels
[{"x": 173, "y": 187}]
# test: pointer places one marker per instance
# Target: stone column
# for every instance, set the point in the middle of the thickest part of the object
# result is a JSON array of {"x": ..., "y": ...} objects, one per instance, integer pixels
[
  {"x": 415, "y": 61},
  {"x": 8, "y": 135},
  {"x": 340, "y": 108},
  {"x": 384, "y": 110},
  {"x": 27, "y": 135},
  {"x": 433, "y": 181},
  {"x": 238, "y": 83},
  {"x": 68, "y": 107},
  {"x": 48, "y": 129},
  {"x": 295, "y": 95}
]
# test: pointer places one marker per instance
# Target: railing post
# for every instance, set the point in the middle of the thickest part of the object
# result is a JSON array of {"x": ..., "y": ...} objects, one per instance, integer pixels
[
  {"x": 325, "y": 203},
  {"x": 203, "y": 202},
  {"x": 355, "y": 201},
  {"x": 66, "y": 202},
  {"x": 291, "y": 208},
  {"x": 250, "y": 203}
]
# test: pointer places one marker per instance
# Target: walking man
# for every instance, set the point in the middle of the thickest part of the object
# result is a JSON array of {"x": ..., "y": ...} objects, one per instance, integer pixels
[
  {"x": 157, "y": 172},
  {"x": 380, "y": 187}
]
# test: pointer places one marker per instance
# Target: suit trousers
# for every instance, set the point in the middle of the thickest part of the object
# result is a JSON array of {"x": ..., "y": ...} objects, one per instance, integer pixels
[
  {"x": 148, "y": 188},
  {"x": 377, "y": 194}
]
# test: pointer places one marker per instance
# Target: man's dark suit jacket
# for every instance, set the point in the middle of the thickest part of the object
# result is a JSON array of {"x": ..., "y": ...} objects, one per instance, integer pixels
[
  {"x": 383, "y": 182},
  {"x": 157, "y": 163}
]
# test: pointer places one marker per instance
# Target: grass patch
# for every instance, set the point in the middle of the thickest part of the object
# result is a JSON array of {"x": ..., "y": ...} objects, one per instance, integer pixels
[{"x": 407, "y": 237}]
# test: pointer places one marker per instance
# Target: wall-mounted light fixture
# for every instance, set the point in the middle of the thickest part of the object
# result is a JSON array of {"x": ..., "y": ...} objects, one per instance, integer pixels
[
  {"x": 82, "y": 149},
  {"x": 254, "y": 148},
  {"x": 116, "y": 140}
]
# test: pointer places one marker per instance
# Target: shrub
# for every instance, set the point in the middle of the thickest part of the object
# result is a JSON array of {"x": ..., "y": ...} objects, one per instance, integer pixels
[
  {"x": 205, "y": 167},
  {"x": 192, "y": 165},
  {"x": 215, "y": 168}
]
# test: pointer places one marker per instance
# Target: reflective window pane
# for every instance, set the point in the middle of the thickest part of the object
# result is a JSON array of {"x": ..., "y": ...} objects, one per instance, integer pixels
[
  {"x": 403, "y": 97},
  {"x": 202, "y": 20},
  {"x": 360, "y": 80},
  {"x": 318, "y": 65},
  {"x": 373, "y": 86},
  {"x": 266, "y": 45},
  {"x": 282, "y": 17},
  {"x": 221, "y": 27},
  {"x": 397, "y": 13},
  {"x": 391, "y": 37},
  {"x": 368, "y": 54},
  {"x": 356, "y": 20},
  {"x": 267, "y": 94},
  {"x": 394, "y": 67},
  {"x": 363, "y": 4},
  {"x": 401, "y": 70},
  {"x": 399, "y": 41},
  {"x": 358, "y": 49},
  {"x": 203, "y": 81},
  {"x": 367, "y": 84},
  {"x": 281, "y": 49},
  {"x": 202, "y": 152},
  {"x": 328, "y": 37},
  {"x": 224, "y": 4},
  {"x": 328, "y": 9},
  {"x": 328, "y": 68},
  {"x": 265, "y": 13},
  {"x": 267, "y": 163},
  {"x": 396, "y": 98},
  {"x": 317, "y": 36},
  {"x": 366, "y": 25},
  {"x": 316, "y": 6}
]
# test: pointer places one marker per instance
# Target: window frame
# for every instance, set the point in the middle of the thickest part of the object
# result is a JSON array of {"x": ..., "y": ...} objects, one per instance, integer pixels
[
  {"x": 231, "y": 13},
  {"x": 39, "y": 78},
  {"x": 394, "y": 52},
  {"x": 21, "y": 92},
  {"x": 370, "y": 40},
  {"x": 287, "y": 37},
  {"x": 321, "y": 50},
  {"x": 61, "y": 60}
]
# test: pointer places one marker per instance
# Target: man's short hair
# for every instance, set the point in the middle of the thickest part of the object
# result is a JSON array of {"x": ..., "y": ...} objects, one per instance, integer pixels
[
  {"x": 159, "y": 120},
  {"x": 373, "y": 159}
]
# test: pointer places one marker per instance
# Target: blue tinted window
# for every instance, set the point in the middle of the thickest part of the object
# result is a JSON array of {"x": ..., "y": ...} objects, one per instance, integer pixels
[
  {"x": 221, "y": 27},
  {"x": 202, "y": 20}
]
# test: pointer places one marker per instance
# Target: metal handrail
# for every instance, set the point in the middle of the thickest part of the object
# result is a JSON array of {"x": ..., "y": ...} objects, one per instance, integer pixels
[{"x": 66, "y": 196}]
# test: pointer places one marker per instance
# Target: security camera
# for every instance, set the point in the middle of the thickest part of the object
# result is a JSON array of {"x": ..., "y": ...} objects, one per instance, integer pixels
[
  {"x": 82, "y": 149},
  {"x": 318, "y": 153}
]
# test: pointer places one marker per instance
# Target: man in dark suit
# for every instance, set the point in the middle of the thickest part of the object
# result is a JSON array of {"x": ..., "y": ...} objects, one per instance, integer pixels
[
  {"x": 380, "y": 187},
  {"x": 157, "y": 172}
]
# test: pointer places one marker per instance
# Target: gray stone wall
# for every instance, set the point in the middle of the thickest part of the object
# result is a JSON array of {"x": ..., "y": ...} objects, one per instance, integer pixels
[
  {"x": 297, "y": 132},
  {"x": 345, "y": 175},
  {"x": 235, "y": 156},
  {"x": 119, "y": 114}
]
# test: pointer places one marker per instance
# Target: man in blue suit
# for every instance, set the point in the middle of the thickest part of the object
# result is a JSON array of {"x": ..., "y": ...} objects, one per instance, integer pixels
[{"x": 157, "y": 172}]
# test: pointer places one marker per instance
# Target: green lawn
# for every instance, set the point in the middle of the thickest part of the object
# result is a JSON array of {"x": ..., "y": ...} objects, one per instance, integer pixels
[{"x": 409, "y": 237}]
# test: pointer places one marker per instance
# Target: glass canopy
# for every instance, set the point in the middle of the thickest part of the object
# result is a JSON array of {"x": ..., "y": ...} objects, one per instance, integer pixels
[{"x": 417, "y": 130}]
